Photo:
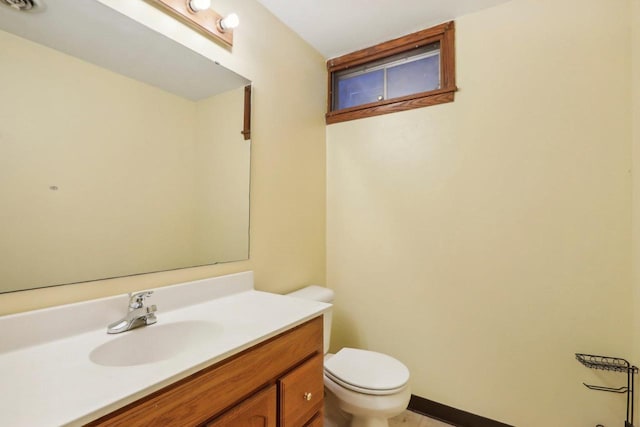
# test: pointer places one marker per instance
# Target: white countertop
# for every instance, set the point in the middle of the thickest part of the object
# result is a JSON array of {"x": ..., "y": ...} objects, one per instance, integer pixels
[{"x": 47, "y": 375}]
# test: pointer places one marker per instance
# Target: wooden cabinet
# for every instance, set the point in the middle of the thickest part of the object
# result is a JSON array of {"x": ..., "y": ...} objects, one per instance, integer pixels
[
  {"x": 257, "y": 411},
  {"x": 277, "y": 383},
  {"x": 316, "y": 421},
  {"x": 301, "y": 393}
]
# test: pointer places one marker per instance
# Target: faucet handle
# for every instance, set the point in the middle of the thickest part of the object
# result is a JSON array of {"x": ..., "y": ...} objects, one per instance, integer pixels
[
  {"x": 136, "y": 300},
  {"x": 151, "y": 318}
]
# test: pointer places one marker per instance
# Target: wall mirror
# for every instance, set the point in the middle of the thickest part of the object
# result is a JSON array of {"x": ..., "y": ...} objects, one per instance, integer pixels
[{"x": 121, "y": 150}]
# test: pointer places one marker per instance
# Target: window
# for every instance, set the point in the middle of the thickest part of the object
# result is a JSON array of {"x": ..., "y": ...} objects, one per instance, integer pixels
[{"x": 409, "y": 72}]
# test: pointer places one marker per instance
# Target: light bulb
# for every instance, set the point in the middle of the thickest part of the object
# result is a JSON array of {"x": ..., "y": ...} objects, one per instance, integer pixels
[
  {"x": 230, "y": 22},
  {"x": 198, "y": 5}
]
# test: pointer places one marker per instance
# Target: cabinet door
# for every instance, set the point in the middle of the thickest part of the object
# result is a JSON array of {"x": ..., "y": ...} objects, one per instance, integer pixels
[
  {"x": 257, "y": 411},
  {"x": 302, "y": 393},
  {"x": 317, "y": 421}
]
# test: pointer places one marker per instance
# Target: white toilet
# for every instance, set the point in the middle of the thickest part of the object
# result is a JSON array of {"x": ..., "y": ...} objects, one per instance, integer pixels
[{"x": 371, "y": 387}]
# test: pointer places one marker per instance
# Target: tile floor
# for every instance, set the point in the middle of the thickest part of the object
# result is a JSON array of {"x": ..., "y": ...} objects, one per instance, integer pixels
[
  {"x": 334, "y": 417},
  {"x": 411, "y": 419}
]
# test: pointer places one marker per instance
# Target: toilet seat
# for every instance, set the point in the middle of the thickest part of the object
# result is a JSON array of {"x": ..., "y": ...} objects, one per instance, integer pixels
[{"x": 367, "y": 371}]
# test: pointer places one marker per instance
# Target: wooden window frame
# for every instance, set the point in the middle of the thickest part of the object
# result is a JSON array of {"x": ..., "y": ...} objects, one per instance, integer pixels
[
  {"x": 246, "y": 127},
  {"x": 443, "y": 33}
]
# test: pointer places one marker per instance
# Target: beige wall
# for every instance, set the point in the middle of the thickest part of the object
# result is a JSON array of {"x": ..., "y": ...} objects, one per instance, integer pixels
[
  {"x": 485, "y": 241},
  {"x": 86, "y": 130},
  {"x": 222, "y": 178},
  {"x": 288, "y": 158},
  {"x": 635, "y": 103}
]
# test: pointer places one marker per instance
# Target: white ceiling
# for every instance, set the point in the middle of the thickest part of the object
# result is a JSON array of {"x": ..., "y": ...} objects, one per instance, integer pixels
[
  {"x": 336, "y": 27},
  {"x": 98, "y": 34}
]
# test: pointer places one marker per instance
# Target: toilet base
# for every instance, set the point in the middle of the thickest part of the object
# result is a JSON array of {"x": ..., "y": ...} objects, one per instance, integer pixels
[
  {"x": 363, "y": 410},
  {"x": 333, "y": 415},
  {"x": 336, "y": 417}
]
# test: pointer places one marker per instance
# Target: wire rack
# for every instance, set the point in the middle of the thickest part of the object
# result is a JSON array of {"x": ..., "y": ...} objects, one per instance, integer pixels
[
  {"x": 613, "y": 364},
  {"x": 605, "y": 363}
]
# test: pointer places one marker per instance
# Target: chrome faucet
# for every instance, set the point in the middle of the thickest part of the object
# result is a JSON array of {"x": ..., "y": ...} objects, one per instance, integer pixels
[{"x": 138, "y": 315}]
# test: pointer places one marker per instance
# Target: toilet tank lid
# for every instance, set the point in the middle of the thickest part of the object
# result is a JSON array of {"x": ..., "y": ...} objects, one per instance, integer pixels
[{"x": 314, "y": 293}]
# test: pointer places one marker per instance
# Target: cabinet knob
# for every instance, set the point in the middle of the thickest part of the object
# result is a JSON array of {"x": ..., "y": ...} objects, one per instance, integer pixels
[{"x": 307, "y": 396}]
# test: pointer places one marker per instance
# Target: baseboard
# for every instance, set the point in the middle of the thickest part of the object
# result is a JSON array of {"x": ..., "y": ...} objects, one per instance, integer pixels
[{"x": 450, "y": 415}]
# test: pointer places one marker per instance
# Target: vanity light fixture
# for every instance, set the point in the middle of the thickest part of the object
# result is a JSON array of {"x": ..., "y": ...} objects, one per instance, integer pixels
[
  {"x": 198, "y": 5},
  {"x": 199, "y": 15},
  {"x": 24, "y": 5},
  {"x": 230, "y": 22}
]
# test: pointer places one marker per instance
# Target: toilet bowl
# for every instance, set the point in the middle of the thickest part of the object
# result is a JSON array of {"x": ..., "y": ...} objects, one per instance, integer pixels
[{"x": 369, "y": 386}]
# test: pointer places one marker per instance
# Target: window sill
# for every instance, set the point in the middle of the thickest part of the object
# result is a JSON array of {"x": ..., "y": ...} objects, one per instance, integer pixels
[{"x": 425, "y": 99}]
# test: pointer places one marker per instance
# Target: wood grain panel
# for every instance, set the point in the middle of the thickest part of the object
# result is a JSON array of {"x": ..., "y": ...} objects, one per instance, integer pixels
[
  {"x": 246, "y": 128},
  {"x": 301, "y": 393},
  {"x": 257, "y": 411},
  {"x": 388, "y": 48},
  {"x": 439, "y": 97},
  {"x": 317, "y": 421}
]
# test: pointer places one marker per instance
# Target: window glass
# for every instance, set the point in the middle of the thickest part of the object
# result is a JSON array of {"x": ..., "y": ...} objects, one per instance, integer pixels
[
  {"x": 412, "y": 77},
  {"x": 407, "y": 73},
  {"x": 361, "y": 88}
]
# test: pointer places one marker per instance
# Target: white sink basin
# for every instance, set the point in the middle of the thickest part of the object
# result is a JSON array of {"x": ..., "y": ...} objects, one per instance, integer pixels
[{"x": 154, "y": 343}]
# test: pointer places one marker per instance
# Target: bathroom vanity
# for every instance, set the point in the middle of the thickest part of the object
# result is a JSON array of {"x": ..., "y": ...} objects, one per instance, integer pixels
[
  {"x": 220, "y": 354},
  {"x": 243, "y": 390}
]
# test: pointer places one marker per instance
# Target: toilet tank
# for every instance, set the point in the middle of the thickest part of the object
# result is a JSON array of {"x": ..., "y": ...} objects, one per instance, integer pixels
[{"x": 322, "y": 294}]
